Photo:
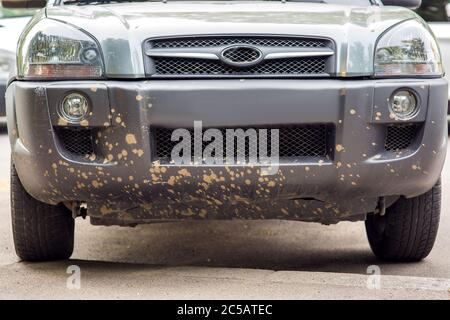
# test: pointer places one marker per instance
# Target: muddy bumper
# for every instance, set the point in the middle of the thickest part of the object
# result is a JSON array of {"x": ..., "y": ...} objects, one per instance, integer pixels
[{"x": 352, "y": 150}]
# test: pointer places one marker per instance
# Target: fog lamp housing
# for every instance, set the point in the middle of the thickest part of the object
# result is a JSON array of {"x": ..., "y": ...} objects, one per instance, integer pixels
[
  {"x": 403, "y": 104},
  {"x": 74, "y": 107}
]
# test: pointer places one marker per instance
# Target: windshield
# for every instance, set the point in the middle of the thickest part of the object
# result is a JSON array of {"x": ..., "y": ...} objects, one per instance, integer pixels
[
  {"x": 435, "y": 10},
  {"x": 346, "y": 2},
  {"x": 14, "y": 13}
]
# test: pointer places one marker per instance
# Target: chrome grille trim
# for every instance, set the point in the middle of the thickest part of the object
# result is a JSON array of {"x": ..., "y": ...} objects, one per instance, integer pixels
[
  {"x": 299, "y": 54},
  {"x": 214, "y": 53}
]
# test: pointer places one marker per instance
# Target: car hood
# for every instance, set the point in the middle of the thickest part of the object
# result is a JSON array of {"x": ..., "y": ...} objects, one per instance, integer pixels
[{"x": 122, "y": 28}]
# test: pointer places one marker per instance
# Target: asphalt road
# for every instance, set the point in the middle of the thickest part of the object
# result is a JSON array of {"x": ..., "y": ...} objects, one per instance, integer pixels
[{"x": 231, "y": 260}]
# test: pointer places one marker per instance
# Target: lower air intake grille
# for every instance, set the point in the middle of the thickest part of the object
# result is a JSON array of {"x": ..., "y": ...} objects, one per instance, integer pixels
[
  {"x": 294, "y": 142},
  {"x": 76, "y": 141},
  {"x": 400, "y": 137}
]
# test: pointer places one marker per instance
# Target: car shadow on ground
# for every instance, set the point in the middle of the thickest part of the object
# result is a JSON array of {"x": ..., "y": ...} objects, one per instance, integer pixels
[{"x": 269, "y": 245}]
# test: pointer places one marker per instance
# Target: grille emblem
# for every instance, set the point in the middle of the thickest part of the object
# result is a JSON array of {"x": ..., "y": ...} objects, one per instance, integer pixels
[{"x": 241, "y": 56}]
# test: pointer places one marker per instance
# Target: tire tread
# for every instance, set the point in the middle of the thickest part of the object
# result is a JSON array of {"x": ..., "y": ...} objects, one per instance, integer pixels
[
  {"x": 411, "y": 227},
  {"x": 40, "y": 231}
]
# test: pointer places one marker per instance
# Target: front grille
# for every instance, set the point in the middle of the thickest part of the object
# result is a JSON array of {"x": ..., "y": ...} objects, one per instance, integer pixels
[
  {"x": 205, "y": 42},
  {"x": 304, "y": 66},
  {"x": 400, "y": 137},
  {"x": 294, "y": 142},
  {"x": 165, "y": 66},
  {"x": 76, "y": 141}
]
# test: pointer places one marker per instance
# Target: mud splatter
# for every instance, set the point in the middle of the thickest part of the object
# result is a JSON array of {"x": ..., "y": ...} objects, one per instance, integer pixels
[
  {"x": 130, "y": 138},
  {"x": 62, "y": 122},
  {"x": 184, "y": 173},
  {"x": 171, "y": 180}
]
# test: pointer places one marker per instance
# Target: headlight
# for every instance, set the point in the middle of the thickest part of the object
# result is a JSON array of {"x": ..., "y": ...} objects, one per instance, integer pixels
[
  {"x": 52, "y": 49},
  {"x": 408, "y": 49}
]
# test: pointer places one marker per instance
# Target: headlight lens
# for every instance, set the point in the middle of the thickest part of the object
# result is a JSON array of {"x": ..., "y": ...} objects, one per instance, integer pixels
[
  {"x": 408, "y": 49},
  {"x": 55, "y": 50}
]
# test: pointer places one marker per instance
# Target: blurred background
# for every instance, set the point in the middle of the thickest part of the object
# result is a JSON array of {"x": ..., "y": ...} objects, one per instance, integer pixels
[
  {"x": 437, "y": 14},
  {"x": 12, "y": 22}
]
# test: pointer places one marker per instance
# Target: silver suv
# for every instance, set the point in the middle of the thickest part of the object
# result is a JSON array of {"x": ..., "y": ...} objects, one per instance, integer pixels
[{"x": 135, "y": 112}]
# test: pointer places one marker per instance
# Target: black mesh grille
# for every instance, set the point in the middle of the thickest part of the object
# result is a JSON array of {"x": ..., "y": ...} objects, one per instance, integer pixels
[
  {"x": 76, "y": 141},
  {"x": 294, "y": 142},
  {"x": 203, "y": 42},
  {"x": 400, "y": 137},
  {"x": 303, "y": 66}
]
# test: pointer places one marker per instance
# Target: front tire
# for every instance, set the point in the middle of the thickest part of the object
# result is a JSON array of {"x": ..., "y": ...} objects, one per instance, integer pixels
[
  {"x": 408, "y": 230},
  {"x": 41, "y": 231}
]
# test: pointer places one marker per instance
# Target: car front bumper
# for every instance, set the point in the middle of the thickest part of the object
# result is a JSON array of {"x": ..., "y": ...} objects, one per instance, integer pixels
[{"x": 123, "y": 182}]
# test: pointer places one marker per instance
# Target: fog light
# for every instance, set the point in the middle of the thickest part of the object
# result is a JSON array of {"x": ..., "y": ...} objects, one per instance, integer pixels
[
  {"x": 74, "y": 107},
  {"x": 403, "y": 104}
]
